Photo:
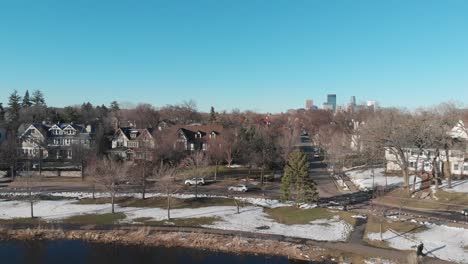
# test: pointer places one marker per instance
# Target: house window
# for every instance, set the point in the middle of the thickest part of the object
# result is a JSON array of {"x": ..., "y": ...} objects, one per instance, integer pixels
[
  {"x": 192, "y": 146},
  {"x": 455, "y": 167},
  {"x": 465, "y": 168},
  {"x": 412, "y": 164},
  {"x": 204, "y": 146}
]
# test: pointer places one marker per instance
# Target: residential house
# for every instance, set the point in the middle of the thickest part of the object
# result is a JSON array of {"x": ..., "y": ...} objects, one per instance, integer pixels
[
  {"x": 53, "y": 141},
  {"x": 424, "y": 160},
  {"x": 197, "y": 137},
  {"x": 130, "y": 143}
]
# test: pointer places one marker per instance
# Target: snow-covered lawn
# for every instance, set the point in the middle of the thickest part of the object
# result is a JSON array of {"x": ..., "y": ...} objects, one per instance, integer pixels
[
  {"x": 249, "y": 219},
  {"x": 364, "y": 181},
  {"x": 444, "y": 242},
  {"x": 460, "y": 186},
  {"x": 269, "y": 203}
]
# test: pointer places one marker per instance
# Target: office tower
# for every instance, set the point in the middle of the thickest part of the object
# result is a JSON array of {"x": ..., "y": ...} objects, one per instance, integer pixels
[
  {"x": 331, "y": 100},
  {"x": 352, "y": 101},
  {"x": 309, "y": 104}
]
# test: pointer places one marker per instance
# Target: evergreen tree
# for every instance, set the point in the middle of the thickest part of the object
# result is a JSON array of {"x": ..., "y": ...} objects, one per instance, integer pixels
[
  {"x": 15, "y": 106},
  {"x": 26, "y": 100},
  {"x": 296, "y": 184},
  {"x": 114, "y": 106},
  {"x": 2, "y": 113},
  {"x": 70, "y": 114},
  {"x": 38, "y": 98},
  {"x": 212, "y": 114}
]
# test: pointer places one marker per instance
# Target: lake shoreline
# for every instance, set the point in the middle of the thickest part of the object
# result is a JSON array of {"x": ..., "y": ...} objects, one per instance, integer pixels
[{"x": 145, "y": 236}]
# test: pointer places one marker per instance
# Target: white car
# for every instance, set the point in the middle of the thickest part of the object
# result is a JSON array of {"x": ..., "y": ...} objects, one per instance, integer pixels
[
  {"x": 195, "y": 181},
  {"x": 238, "y": 188}
]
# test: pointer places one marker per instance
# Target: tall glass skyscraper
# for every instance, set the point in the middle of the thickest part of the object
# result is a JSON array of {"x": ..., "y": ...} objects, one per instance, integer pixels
[{"x": 331, "y": 100}]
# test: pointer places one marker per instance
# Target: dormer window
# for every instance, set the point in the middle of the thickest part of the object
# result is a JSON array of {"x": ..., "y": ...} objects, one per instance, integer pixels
[
  {"x": 133, "y": 134},
  {"x": 69, "y": 132}
]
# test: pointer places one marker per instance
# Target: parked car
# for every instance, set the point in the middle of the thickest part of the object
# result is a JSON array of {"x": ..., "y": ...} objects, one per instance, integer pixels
[
  {"x": 193, "y": 181},
  {"x": 464, "y": 212},
  {"x": 238, "y": 188}
]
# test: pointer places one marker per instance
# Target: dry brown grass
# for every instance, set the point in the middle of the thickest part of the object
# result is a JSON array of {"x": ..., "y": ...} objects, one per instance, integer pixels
[
  {"x": 297, "y": 216},
  {"x": 185, "y": 222},
  {"x": 161, "y": 202},
  {"x": 401, "y": 227},
  {"x": 449, "y": 201}
]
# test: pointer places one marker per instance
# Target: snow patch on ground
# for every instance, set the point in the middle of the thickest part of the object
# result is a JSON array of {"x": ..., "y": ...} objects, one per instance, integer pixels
[
  {"x": 49, "y": 210},
  {"x": 269, "y": 203},
  {"x": 443, "y": 242},
  {"x": 364, "y": 181},
  {"x": 460, "y": 186},
  {"x": 248, "y": 220}
]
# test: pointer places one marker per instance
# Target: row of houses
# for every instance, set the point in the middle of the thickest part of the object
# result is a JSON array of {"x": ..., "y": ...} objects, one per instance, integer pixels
[
  {"x": 427, "y": 159},
  {"x": 63, "y": 141}
]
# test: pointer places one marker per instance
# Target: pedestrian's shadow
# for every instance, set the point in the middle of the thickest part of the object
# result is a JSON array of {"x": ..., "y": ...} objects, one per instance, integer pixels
[{"x": 434, "y": 250}]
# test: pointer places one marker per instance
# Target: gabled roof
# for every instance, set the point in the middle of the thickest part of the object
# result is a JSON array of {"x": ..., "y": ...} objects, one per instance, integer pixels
[
  {"x": 459, "y": 131},
  {"x": 190, "y": 131},
  {"x": 127, "y": 131}
]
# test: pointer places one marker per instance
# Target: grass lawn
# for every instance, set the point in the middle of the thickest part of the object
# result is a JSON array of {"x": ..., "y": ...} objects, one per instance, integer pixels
[
  {"x": 297, "y": 216},
  {"x": 161, "y": 202},
  {"x": 446, "y": 200},
  {"x": 373, "y": 226},
  {"x": 187, "y": 222},
  {"x": 25, "y": 220},
  {"x": 95, "y": 219}
]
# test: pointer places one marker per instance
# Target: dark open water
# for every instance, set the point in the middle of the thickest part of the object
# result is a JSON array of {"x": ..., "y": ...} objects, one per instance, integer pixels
[{"x": 79, "y": 252}]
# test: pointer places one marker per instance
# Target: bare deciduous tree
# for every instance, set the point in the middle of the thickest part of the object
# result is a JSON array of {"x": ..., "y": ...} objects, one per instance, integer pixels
[
  {"x": 165, "y": 174},
  {"x": 111, "y": 174}
]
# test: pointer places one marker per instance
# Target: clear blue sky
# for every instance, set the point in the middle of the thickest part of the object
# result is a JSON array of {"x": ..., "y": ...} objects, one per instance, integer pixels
[{"x": 266, "y": 55}]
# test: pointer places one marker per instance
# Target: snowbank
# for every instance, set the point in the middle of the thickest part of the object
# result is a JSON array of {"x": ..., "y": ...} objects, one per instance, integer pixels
[
  {"x": 364, "y": 181},
  {"x": 249, "y": 219},
  {"x": 440, "y": 241}
]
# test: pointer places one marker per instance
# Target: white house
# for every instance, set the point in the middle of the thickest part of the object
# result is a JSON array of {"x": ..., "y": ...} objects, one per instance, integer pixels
[{"x": 419, "y": 160}]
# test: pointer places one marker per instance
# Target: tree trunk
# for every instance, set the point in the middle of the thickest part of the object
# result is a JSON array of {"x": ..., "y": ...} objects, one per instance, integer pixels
[
  {"x": 144, "y": 181},
  {"x": 31, "y": 202},
  {"x": 168, "y": 206},
  {"x": 12, "y": 171},
  {"x": 449, "y": 170},
  {"x": 82, "y": 170},
  {"x": 113, "y": 200},
  {"x": 94, "y": 191},
  {"x": 261, "y": 174},
  {"x": 381, "y": 236},
  {"x": 416, "y": 172},
  {"x": 196, "y": 188},
  {"x": 238, "y": 206},
  {"x": 216, "y": 170}
]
